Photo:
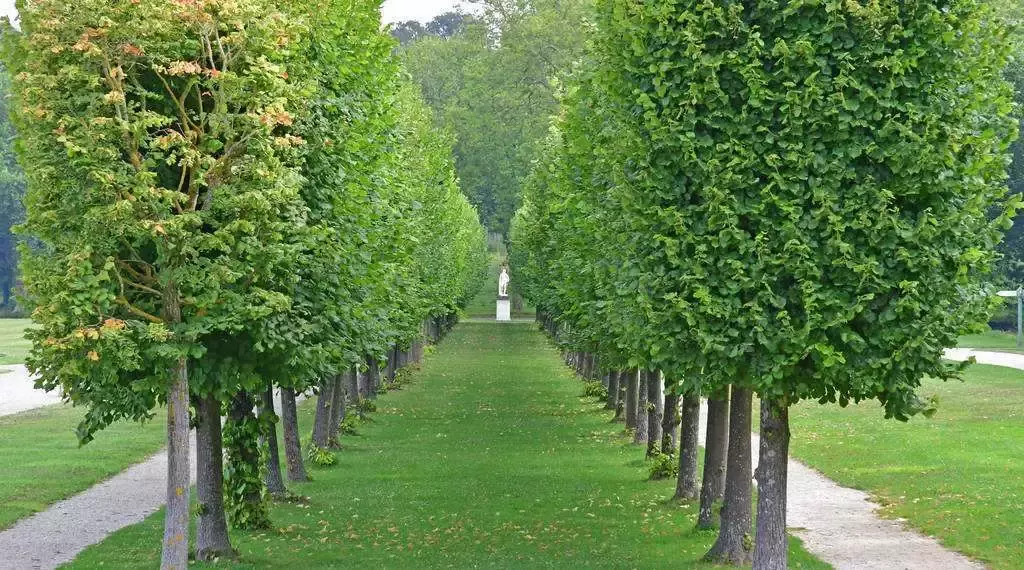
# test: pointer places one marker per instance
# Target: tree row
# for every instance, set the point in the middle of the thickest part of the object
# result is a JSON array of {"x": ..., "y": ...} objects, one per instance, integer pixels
[
  {"x": 225, "y": 198},
  {"x": 797, "y": 201}
]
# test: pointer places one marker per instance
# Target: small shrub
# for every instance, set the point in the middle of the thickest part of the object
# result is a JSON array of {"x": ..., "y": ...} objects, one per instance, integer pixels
[
  {"x": 663, "y": 466},
  {"x": 349, "y": 424},
  {"x": 320, "y": 457},
  {"x": 595, "y": 390},
  {"x": 366, "y": 406}
]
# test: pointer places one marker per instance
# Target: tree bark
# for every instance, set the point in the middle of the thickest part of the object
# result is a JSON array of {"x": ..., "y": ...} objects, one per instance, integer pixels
[
  {"x": 613, "y": 391},
  {"x": 372, "y": 376},
  {"x": 212, "y": 540},
  {"x": 771, "y": 550},
  {"x": 322, "y": 420},
  {"x": 272, "y": 478},
  {"x": 292, "y": 447},
  {"x": 174, "y": 555},
  {"x": 689, "y": 441},
  {"x": 734, "y": 544},
  {"x": 620, "y": 407},
  {"x": 670, "y": 424},
  {"x": 337, "y": 411},
  {"x": 640, "y": 435},
  {"x": 632, "y": 395},
  {"x": 656, "y": 411},
  {"x": 715, "y": 449}
]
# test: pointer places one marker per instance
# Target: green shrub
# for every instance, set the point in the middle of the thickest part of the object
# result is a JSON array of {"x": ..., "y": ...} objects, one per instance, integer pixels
[
  {"x": 663, "y": 466},
  {"x": 595, "y": 390}
]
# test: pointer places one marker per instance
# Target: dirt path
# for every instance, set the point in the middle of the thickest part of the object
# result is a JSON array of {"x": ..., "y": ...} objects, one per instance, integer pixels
[
  {"x": 18, "y": 392},
  {"x": 1007, "y": 359}
]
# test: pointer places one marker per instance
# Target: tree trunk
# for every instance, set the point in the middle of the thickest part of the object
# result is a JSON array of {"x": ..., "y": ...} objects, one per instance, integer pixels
[
  {"x": 632, "y": 394},
  {"x": 212, "y": 539},
  {"x": 322, "y": 420},
  {"x": 174, "y": 555},
  {"x": 372, "y": 376},
  {"x": 337, "y": 411},
  {"x": 353, "y": 386},
  {"x": 716, "y": 447},
  {"x": 640, "y": 435},
  {"x": 670, "y": 424},
  {"x": 656, "y": 412},
  {"x": 734, "y": 544},
  {"x": 292, "y": 447},
  {"x": 245, "y": 498},
  {"x": 771, "y": 545},
  {"x": 272, "y": 478},
  {"x": 620, "y": 408},
  {"x": 613, "y": 391},
  {"x": 689, "y": 442}
]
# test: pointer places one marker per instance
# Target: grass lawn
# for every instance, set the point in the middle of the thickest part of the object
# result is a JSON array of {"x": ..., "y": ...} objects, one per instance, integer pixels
[
  {"x": 488, "y": 460},
  {"x": 991, "y": 340},
  {"x": 958, "y": 476},
  {"x": 41, "y": 461},
  {"x": 13, "y": 346}
]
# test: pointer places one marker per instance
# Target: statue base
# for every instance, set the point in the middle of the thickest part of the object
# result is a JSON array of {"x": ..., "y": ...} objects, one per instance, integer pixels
[{"x": 504, "y": 309}]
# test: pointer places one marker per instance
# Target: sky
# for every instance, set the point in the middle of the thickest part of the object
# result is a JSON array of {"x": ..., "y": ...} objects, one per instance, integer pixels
[{"x": 393, "y": 11}]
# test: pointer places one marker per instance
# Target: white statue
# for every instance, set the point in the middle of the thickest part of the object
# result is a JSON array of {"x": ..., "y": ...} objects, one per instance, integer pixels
[{"x": 503, "y": 283}]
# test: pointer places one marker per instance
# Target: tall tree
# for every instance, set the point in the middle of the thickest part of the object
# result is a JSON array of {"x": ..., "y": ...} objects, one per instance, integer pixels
[{"x": 12, "y": 191}]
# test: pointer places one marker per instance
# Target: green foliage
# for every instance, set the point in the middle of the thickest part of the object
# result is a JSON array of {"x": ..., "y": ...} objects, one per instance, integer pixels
[
  {"x": 595, "y": 390},
  {"x": 783, "y": 198},
  {"x": 12, "y": 190},
  {"x": 663, "y": 466},
  {"x": 493, "y": 85},
  {"x": 245, "y": 495},
  {"x": 320, "y": 457},
  {"x": 349, "y": 425}
]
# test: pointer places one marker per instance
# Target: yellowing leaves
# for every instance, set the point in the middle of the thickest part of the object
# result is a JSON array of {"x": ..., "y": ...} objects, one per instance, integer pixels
[{"x": 93, "y": 356}]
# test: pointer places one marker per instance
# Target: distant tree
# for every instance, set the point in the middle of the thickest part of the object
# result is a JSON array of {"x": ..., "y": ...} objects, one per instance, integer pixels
[
  {"x": 447, "y": 25},
  {"x": 12, "y": 190},
  {"x": 408, "y": 31}
]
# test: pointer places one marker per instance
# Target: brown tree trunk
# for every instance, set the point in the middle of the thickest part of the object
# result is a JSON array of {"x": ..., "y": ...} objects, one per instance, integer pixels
[
  {"x": 632, "y": 395},
  {"x": 620, "y": 408},
  {"x": 689, "y": 442},
  {"x": 734, "y": 544},
  {"x": 670, "y": 424},
  {"x": 640, "y": 435},
  {"x": 716, "y": 447},
  {"x": 771, "y": 550},
  {"x": 656, "y": 411},
  {"x": 292, "y": 447},
  {"x": 212, "y": 540},
  {"x": 613, "y": 391},
  {"x": 337, "y": 411},
  {"x": 174, "y": 555},
  {"x": 322, "y": 420},
  {"x": 272, "y": 478}
]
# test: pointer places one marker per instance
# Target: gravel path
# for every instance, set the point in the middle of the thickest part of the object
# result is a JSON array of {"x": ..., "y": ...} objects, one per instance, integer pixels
[
  {"x": 57, "y": 535},
  {"x": 18, "y": 392},
  {"x": 1007, "y": 359},
  {"x": 842, "y": 526}
]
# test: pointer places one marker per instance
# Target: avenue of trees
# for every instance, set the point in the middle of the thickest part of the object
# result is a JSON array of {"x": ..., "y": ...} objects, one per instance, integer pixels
[
  {"x": 228, "y": 198},
  {"x": 801, "y": 202}
]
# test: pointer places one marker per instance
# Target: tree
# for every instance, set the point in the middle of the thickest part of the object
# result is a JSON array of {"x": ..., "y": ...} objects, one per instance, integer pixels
[
  {"x": 492, "y": 83},
  {"x": 12, "y": 189}
]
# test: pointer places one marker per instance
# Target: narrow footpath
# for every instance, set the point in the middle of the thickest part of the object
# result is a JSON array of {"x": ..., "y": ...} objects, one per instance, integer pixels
[{"x": 488, "y": 460}]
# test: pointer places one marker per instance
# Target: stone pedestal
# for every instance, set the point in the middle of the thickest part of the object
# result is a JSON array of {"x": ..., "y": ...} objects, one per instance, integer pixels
[{"x": 504, "y": 309}]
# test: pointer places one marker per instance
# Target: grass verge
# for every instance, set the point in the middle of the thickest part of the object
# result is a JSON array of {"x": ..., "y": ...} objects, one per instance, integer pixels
[
  {"x": 13, "y": 345},
  {"x": 42, "y": 463},
  {"x": 958, "y": 476},
  {"x": 488, "y": 460},
  {"x": 991, "y": 340}
]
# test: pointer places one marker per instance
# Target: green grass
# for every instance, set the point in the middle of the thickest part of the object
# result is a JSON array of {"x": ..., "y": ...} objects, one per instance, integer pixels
[
  {"x": 13, "y": 345},
  {"x": 958, "y": 476},
  {"x": 991, "y": 340},
  {"x": 490, "y": 459},
  {"x": 41, "y": 461}
]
